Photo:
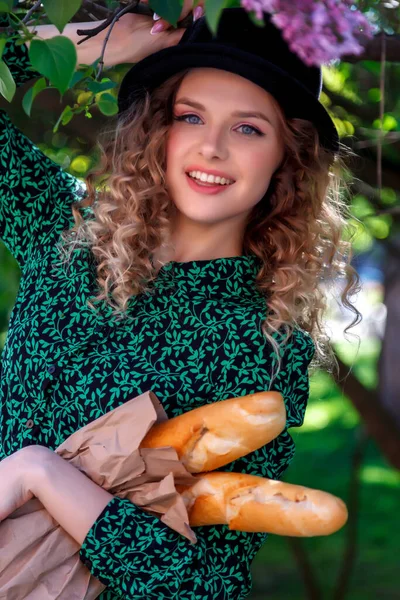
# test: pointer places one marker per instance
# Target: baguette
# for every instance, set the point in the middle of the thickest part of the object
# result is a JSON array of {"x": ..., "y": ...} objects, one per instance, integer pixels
[
  {"x": 214, "y": 435},
  {"x": 251, "y": 503}
]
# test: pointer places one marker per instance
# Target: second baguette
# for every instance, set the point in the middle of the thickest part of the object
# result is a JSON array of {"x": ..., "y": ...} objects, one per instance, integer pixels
[{"x": 251, "y": 503}]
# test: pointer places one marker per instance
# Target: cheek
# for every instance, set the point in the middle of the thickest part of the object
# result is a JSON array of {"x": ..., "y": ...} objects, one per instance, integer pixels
[
  {"x": 175, "y": 147},
  {"x": 170, "y": 149},
  {"x": 259, "y": 163}
]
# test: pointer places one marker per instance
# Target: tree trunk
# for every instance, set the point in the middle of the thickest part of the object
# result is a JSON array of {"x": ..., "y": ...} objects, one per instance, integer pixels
[{"x": 389, "y": 360}]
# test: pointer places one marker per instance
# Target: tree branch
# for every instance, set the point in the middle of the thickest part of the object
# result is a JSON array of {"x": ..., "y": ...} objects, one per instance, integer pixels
[
  {"x": 372, "y": 50},
  {"x": 379, "y": 424},
  {"x": 311, "y": 584},
  {"x": 351, "y": 530},
  {"x": 375, "y": 198},
  {"x": 30, "y": 12},
  {"x": 118, "y": 14}
]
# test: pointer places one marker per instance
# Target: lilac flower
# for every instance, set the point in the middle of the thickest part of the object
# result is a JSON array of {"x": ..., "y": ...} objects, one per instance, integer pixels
[{"x": 318, "y": 31}]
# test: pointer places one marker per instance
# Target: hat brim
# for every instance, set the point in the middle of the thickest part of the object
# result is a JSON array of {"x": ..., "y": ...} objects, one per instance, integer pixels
[{"x": 294, "y": 98}]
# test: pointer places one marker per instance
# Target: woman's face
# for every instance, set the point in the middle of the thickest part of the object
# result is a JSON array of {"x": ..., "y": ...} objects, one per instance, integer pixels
[{"x": 206, "y": 135}]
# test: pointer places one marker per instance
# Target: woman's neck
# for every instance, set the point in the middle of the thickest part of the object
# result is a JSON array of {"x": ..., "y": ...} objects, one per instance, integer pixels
[{"x": 191, "y": 240}]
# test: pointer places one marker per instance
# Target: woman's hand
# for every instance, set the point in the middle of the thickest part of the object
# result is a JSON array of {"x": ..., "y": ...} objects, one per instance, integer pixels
[
  {"x": 131, "y": 34},
  {"x": 130, "y": 40},
  {"x": 69, "y": 496}
]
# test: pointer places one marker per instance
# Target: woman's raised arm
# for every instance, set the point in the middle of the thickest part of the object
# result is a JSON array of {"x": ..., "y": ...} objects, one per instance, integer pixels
[{"x": 130, "y": 39}]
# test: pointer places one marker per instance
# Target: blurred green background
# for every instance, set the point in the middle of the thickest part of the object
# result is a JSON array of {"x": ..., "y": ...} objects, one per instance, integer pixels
[{"x": 325, "y": 449}]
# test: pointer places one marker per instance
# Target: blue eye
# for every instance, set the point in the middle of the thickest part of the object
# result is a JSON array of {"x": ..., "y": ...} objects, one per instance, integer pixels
[
  {"x": 253, "y": 128},
  {"x": 184, "y": 117}
]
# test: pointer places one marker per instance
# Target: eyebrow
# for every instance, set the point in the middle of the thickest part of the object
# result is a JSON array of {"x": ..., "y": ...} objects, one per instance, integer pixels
[{"x": 237, "y": 113}]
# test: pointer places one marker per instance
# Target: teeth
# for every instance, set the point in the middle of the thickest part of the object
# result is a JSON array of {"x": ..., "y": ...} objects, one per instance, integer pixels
[{"x": 209, "y": 178}]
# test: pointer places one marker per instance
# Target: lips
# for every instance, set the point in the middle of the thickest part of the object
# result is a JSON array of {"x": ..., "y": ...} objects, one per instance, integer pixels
[
  {"x": 208, "y": 183},
  {"x": 206, "y": 189},
  {"x": 210, "y": 172}
]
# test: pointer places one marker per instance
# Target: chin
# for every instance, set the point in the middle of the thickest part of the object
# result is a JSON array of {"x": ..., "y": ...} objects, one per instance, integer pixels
[{"x": 201, "y": 218}]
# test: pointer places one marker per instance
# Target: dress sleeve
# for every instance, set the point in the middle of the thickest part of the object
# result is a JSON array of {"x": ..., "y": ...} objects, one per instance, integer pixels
[
  {"x": 293, "y": 379},
  {"x": 33, "y": 189},
  {"x": 138, "y": 557}
]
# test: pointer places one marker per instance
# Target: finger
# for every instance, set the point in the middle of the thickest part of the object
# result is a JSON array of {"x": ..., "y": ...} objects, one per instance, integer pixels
[
  {"x": 198, "y": 11},
  {"x": 159, "y": 26}
]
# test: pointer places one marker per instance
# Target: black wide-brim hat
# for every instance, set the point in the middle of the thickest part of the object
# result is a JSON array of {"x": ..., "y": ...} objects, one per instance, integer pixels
[{"x": 259, "y": 54}]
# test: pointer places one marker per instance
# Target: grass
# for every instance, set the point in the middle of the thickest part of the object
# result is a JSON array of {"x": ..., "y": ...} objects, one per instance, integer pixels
[{"x": 324, "y": 447}]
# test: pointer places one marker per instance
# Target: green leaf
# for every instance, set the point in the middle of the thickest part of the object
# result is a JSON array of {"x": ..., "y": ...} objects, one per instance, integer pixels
[
  {"x": 31, "y": 94},
  {"x": 101, "y": 86},
  {"x": 6, "y": 6},
  {"x": 374, "y": 94},
  {"x": 213, "y": 10},
  {"x": 7, "y": 83},
  {"x": 60, "y": 12},
  {"x": 255, "y": 20},
  {"x": 3, "y": 42},
  {"x": 76, "y": 78},
  {"x": 371, "y": 65},
  {"x": 108, "y": 105},
  {"x": 64, "y": 118},
  {"x": 169, "y": 10},
  {"x": 54, "y": 58}
]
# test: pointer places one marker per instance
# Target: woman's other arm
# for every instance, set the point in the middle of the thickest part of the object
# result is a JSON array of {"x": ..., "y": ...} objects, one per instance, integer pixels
[
  {"x": 139, "y": 557},
  {"x": 130, "y": 551},
  {"x": 89, "y": 50}
]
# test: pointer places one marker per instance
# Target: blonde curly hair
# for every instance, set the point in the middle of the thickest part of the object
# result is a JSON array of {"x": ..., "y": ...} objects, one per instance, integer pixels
[{"x": 296, "y": 229}]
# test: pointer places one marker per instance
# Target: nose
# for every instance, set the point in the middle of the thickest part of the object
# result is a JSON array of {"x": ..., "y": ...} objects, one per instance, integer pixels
[{"x": 213, "y": 144}]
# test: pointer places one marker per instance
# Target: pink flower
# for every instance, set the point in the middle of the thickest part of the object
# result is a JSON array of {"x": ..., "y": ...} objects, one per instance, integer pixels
[{"x": 318, "y": 31}]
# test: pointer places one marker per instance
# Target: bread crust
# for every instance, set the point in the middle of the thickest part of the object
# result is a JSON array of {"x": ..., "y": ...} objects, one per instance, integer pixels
[
  {"x": 214, "y": 435},
  {"x": 251, "y": 503}
]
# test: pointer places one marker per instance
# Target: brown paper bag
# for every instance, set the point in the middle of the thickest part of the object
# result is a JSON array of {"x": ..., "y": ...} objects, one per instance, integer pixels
[{"x": 38, "y": 559}]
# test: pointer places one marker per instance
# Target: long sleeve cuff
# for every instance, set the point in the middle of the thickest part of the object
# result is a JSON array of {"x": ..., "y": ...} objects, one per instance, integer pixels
[{"x": 139, "y": 558}]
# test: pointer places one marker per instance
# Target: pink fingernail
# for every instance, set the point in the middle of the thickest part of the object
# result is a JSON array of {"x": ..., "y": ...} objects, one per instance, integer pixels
[
  {"x": 157, "y": 28},
  {"x": 197, "y": 13}
]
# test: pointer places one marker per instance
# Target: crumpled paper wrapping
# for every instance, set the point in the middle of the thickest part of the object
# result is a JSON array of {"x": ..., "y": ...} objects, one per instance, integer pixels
[{"x": 38, "y": 559}]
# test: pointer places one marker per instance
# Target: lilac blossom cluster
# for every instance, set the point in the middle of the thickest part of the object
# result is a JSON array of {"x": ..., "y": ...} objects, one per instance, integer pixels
[{"x": 318, "y": 31}]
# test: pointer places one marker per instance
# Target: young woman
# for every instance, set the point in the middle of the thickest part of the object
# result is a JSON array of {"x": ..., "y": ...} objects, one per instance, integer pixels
[{"x": 192, "y": 267}]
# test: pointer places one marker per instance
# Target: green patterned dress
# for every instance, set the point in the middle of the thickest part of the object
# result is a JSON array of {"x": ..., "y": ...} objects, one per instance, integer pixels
[{"x": 195, "y": 339}]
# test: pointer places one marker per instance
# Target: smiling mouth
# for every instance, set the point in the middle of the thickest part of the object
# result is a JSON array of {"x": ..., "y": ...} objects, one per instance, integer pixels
[{"x": 208, "y": 184}]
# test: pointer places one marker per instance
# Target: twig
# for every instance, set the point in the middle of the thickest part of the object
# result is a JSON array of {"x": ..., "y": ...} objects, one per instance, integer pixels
[
  {"x": 120, "y": 12},
  {"x": 373, "y": 48},
  {"x": 391, "y": 137},
  {"x": 134, "y": 7},
  {"x": 381, "y": 112},
  {"x": 350, "y": 552},
  {"x": 381, "y": 426},
  {"x": 375, "y": 198},
  {"x": 312, "y": 588},
  {"x": 88, "y": 5},
  {"x": 30, "y": 12}
]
